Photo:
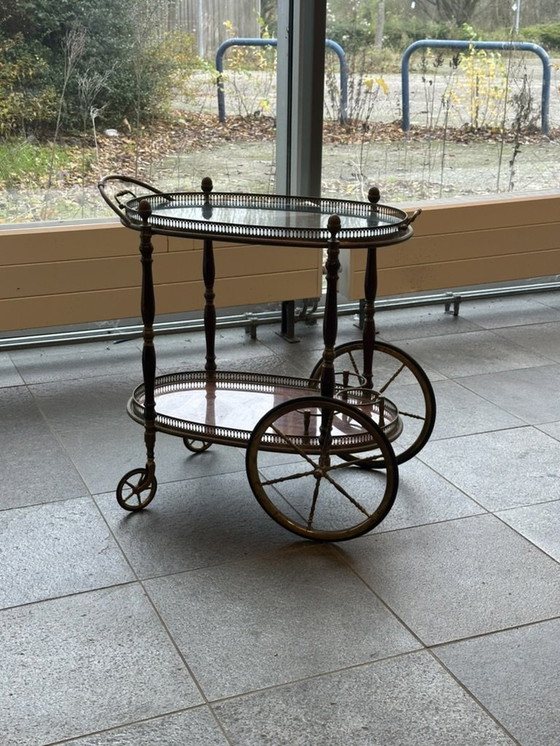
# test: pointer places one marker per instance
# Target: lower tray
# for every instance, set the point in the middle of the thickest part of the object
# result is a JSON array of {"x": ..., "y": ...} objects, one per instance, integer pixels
[{"x": 224, "y": 406}]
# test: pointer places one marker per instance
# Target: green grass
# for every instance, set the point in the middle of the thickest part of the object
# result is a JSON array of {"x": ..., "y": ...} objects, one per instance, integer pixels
[{"x": 24, "y": 163}]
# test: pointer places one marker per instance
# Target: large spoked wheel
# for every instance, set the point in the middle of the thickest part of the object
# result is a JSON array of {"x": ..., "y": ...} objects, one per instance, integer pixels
[
  {"x": 301, "y": 464},
  {"x": 136, "y": 489},
  {"x": 397, "y": 377}
]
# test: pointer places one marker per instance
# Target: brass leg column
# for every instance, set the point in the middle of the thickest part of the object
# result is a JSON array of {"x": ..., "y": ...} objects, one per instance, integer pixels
[
  {"x": 330, "y": 320},
  {"x": 370, "y": 291},
  {"x": 148, "y": 349},
  {"x": 209, "y": 275}
]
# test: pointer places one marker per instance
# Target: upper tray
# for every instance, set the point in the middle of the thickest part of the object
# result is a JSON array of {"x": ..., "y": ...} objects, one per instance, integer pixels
[{"x": 258, "y": 218}]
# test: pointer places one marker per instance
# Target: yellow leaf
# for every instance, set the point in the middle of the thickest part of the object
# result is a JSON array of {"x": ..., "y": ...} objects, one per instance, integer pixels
[{"x": 383, "y": 85}]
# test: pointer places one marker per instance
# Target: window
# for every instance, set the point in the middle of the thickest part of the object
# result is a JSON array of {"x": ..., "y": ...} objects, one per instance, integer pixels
[
  {"x": 97, "y": 87},
  {"x": 475, "y": 113},
  {"x": 101, "y": 87}
]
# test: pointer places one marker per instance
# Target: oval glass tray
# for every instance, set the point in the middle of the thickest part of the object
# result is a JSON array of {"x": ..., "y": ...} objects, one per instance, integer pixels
[
  {"x": 224, "y": 406},
  {"x": 260, "y": 218}
]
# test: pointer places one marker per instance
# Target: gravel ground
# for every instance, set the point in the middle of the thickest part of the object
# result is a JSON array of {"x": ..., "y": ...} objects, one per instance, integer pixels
[
  {"x": 435, "y": 163},
  {"x": 405, "y": 169}
]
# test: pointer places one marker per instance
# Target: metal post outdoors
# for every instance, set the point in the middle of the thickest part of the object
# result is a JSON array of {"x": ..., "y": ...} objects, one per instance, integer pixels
[{"x": 461, "y": 44}]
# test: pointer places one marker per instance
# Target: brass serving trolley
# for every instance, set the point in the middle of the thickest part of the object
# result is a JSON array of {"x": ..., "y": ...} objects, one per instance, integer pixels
[{"x": 322, "y": 453}]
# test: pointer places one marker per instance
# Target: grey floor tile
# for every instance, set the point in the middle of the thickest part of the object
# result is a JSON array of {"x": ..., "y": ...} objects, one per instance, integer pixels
[
  {"x": 463, "y": 412},
  {"x": 474, "y": 353},
  {"x": 34, "y": 467},
  {"x": 273, "y": 364},
  {"x": 538, "y": 523},
  {"x": 176, "y": 352},
  {"x": 549, "y": 297},
  {"x": 196, "y": 727},
  {"x": 193, "y": 524},
  {"x": 528, "y": 393},
  {"x": 452, "y": 580},
  {"x": 399, "y": 327},
  {"x": 9, "y": 375},
  {"x": 515, "y": 310},
  {"x": 83, "y": 360},
  {"x": 301, "y": 357},
  {"x": 309, "y": 352},
  {"x": 57, "y": 549},
  {"x": 270, "y": 353},
  {"x": 407, "y": 701},
  {"x": 307, "y": 340},
  {"x": 80, "y": 664},
  {"x": 421, "y": 321},
  {"x": 255, "y": 624},
  {"x": 310, "y": 346},
  {"x": 425, "y": 497},
  {"x": 251, "y": 606},
  {"x": 90, "y": 419},
  {"x": 541, "y": 339},
  {"x": 514, "y": 674},
  {"x": 551, "y": 428},
  {"x": 499, "y": 470}
]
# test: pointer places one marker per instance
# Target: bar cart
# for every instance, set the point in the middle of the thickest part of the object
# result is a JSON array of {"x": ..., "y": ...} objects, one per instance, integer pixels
[{"x": 323, "y": 452}]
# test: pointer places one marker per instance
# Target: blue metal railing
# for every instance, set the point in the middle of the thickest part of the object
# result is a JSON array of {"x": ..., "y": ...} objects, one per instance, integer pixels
[
  {"x": 504, "y": 46},
  {"x": 242, "y": 42}
]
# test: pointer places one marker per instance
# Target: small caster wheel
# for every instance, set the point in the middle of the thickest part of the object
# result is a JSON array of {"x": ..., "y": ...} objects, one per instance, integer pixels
[
  {"x": 196, "y": 446},
  {"x": 136, "y": 489}
]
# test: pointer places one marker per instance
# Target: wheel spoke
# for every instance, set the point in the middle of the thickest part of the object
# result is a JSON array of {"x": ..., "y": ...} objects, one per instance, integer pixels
[
  {"x": 392, "y": 379},
  {"x": 287, "y": 478},
  {"x": 313, "y": 503},
  {"x": 354, "y": 364},
  {"x": 346, "y": 494},
  {"x": 293, "y": 445},
  {"x": 135, "y": 494},
  {"x": 354, "y": 460},
  {"x": 412, "y": 415}
]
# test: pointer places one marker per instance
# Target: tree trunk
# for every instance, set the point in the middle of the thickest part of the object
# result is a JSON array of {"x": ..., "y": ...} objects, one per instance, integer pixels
[
  {"x": 457, "y": 12},
  {"x": 379, "y": 24}
]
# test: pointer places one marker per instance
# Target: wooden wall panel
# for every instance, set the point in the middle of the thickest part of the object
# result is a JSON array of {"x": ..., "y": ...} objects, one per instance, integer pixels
[
  {"x": 69, "y": 243},
  {"x": 456, "y": 245},
  {"x": 69, "y": 275},
  {"x": 123, "y": 303},
  {"x": 80, "y": 274},
  {"x": 48, "y": 278}
]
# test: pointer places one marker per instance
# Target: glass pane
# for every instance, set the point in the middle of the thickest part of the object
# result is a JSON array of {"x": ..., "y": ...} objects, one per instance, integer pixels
[
  {"x": 131, "y": 87},
  {"x": 482, "y": 114},
  {"x": 101, "y": 87}
]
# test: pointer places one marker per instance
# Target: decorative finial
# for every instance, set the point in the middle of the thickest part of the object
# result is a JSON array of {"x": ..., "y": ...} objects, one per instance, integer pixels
[
  {"x": 206, "y": 185},
  {"x": 374, "y": 195},
  {"x": 144, "y": 209},
  {"x": 333, "y": 225}
]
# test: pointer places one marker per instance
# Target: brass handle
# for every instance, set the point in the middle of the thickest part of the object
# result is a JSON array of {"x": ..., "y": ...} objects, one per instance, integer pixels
[
  {"x": 115, "y": 202},
  {"x": 412, "y": 217}
]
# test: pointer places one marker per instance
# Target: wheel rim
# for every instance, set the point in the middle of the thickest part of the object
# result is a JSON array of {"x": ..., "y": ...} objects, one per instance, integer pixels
[
  {"x": 401, "y": 379},
  {"x": 136, "y": 489},
  {"x": 301, "y": 465},
  {"x": 196, "y": 446}
]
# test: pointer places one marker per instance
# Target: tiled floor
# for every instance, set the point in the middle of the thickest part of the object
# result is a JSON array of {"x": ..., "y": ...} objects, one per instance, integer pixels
[{"x": 200, "y": 621}]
